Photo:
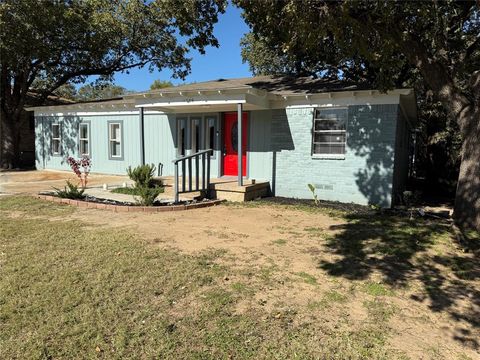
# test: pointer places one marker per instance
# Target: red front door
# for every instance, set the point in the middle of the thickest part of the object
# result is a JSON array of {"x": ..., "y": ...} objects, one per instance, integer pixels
[{"x": 230, "y": 145}]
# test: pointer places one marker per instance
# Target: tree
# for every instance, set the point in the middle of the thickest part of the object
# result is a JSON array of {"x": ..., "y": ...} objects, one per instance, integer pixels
[
  {"x": 385, "y": 42},
  {"x": 60, "y": 42},
  {"x": 96, "y": 92},
  {"x": 160, "y": 84},
  {"x": 66, "y": 91}
]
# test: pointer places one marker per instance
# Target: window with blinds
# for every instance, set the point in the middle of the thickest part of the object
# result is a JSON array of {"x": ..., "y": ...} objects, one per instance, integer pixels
[{"x": 329, "y": 135}]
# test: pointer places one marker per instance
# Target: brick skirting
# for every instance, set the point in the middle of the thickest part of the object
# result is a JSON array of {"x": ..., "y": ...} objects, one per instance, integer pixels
[{"x": 123, "y": 208}]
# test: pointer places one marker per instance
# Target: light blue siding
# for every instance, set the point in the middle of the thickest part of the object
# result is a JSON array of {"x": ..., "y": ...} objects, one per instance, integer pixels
[
  {"x": 259, "y": 145},
  {"x": 279, "y": 150},
  {"x": 365, "y": 174},
  {"x": 160, "y": 147},
  {"x": 160, "y": 142},
  {"x": 98, "y": 142}
]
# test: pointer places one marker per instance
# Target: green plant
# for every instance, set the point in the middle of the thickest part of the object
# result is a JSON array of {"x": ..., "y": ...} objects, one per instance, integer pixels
[
  {"x": 315, "y": 197},
  {"x": 146, "y": 196},
  {"x": 142, "y": 175},
  {"x": 135, "y": 190},
  {"x": 70, "y": 191}
]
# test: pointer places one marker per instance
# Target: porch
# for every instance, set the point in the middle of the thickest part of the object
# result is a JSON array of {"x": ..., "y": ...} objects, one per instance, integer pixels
[
  {"x": 207, "y": 118},
  {"x": 223, "y": 188}
]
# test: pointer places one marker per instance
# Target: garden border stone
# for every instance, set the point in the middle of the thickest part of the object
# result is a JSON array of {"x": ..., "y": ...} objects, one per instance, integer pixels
[{"x": 119, "y": 208}]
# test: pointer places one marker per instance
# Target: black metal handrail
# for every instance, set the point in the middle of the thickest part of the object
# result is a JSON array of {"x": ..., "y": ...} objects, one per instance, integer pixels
[{"x": 186, "y": 162}]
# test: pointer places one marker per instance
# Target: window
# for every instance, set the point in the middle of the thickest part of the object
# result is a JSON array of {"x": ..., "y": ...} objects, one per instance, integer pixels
[
  {"x": 195, "y": 137},
  {"x": 210, "y": 133},
  {"x": 181, "y": 137},
  {"x": 56, "y": 140},
  {"x": 84, "y": 139},
  {"x": 115, "y": 140},
  {"x": 329, "y": 132}
]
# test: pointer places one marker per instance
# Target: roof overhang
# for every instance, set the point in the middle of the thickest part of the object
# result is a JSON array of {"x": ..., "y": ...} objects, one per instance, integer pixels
[
  {"x": 122, "y": 105},
  {"x": 203, "y": 100},
  {"x": 224, "y": 100}
]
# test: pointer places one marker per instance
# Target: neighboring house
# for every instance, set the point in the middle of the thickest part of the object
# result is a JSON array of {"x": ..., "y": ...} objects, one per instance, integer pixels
[{"x": 350, "y": 142}]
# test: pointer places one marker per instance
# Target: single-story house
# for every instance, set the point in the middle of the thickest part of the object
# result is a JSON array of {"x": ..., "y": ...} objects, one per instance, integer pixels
[{"x": 350, "y": 142}]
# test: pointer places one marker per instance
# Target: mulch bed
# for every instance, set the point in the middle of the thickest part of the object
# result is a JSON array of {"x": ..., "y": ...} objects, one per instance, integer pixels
[
  {"x": 335, "y": 205},
  {"x": 118, "y": 206}
]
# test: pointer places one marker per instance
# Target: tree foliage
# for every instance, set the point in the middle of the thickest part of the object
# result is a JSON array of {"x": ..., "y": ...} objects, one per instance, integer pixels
[
  {"x": 433, "y": 45},
  {"x": 53, "y": 43},
  {"x": 361, "y": 40},
  {"x": 160, "y": 84},
  {"x": 97, "y": 92}
]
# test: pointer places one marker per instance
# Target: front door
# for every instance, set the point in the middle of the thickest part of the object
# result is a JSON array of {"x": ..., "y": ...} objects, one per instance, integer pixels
[{"x": 230, "y": 145}]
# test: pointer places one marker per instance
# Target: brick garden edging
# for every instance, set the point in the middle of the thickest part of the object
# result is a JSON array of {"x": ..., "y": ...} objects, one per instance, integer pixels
[{"x": 124, "y": 208}]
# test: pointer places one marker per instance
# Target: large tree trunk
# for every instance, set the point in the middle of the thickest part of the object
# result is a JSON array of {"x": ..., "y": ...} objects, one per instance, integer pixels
[
  {"x": 467, "y": 198},
  {"x": 467, "y": 112}
]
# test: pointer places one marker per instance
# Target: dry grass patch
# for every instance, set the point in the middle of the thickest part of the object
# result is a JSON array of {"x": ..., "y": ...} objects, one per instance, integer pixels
[{"x": 82, "y": 283}]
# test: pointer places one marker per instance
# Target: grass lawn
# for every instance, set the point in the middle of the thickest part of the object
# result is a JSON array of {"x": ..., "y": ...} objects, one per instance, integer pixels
[{"x": 73, "y": 289}]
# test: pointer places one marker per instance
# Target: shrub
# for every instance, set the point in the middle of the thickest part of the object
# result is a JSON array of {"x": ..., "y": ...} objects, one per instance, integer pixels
[
  {"x": 70, "y": 191},
  {"x": 146, "y": 195},
  {"x": 142, "y": 175}
]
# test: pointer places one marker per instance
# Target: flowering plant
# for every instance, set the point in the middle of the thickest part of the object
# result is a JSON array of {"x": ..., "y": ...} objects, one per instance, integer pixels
[{"x": 81, "y": 167}]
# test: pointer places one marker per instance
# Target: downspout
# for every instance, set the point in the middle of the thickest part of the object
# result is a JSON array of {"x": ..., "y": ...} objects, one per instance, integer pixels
[{"x": 142, "y": 136}]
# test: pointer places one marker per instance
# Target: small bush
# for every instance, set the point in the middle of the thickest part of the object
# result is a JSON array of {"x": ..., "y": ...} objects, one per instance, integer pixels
[
  {"x": 142, "y": 175},
  {"x": 70, "y": 191},
  {"x": 147, "y": 196}
]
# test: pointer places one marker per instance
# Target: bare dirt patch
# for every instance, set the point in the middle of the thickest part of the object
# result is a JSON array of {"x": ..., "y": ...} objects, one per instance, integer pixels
[
  {"x": 331, "y": 270},
  {"x": 402, "y": 288}
]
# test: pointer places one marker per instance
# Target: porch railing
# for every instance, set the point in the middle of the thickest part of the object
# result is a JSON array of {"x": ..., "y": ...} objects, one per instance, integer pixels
[{"x": 183, "y": 167}]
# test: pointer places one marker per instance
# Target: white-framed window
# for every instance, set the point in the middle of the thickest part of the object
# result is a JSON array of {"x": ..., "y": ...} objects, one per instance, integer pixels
[
  {"x": 115, "y": 139},
  {"x": 329, "y": 135},
  {"x": 181, "y": 136},
  {"x": 210, "y": 133},
  {"x": 56, "y": 140},
  {"x": 84, "y": 139},
  {"x": 195, "y": 134}
]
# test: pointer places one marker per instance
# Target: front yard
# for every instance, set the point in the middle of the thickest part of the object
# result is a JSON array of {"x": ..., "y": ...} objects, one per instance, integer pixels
[{"x": 256, "y": 280}]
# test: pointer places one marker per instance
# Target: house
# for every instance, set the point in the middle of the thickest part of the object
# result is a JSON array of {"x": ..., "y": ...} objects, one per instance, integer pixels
[{"x": 350, "y": 142}]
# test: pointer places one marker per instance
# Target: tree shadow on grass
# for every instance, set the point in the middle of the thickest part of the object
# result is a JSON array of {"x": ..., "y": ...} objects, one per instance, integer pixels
[{"x": 405, "y": 251}]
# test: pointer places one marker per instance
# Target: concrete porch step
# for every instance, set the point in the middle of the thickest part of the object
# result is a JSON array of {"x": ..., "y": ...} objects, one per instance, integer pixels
[{"x": 225, "y": 188}]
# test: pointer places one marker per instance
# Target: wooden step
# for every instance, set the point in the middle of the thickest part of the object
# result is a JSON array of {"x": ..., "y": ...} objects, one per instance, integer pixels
[
  {"x": 233, "y": 192},
  {"x": 223, "y": 188}
]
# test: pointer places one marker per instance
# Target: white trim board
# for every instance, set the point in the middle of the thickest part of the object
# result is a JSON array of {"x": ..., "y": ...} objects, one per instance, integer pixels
[{"x": 99, "y": 113}]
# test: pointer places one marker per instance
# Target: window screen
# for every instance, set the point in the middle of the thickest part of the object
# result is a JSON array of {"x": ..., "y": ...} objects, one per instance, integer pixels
[{"x": 329, "y": 131}]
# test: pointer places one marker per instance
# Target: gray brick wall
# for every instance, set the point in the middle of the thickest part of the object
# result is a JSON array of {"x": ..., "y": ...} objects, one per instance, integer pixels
[{"x": 364, "y": 176}]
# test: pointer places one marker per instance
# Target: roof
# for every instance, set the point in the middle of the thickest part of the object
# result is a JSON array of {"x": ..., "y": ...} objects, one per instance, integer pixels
[
  {"x": 255, "y": 93},
  {"x": 278, "y": 85}
]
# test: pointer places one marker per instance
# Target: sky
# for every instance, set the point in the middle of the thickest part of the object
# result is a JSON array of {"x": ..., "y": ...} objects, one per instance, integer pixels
[{"x": 222, "y": 62}]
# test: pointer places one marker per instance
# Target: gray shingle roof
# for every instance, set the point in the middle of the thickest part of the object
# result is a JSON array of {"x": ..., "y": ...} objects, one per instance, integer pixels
[{"x": 280, "y": 85}]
